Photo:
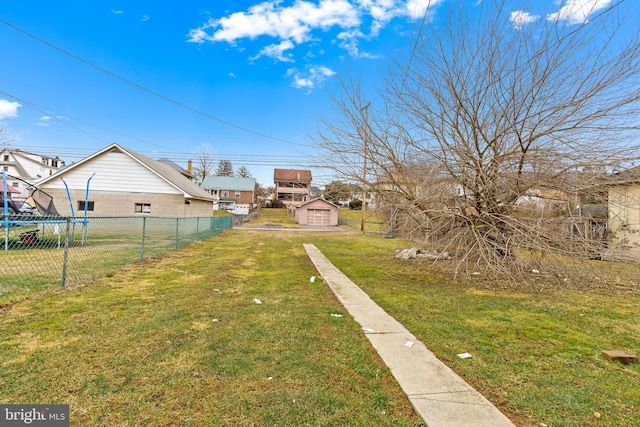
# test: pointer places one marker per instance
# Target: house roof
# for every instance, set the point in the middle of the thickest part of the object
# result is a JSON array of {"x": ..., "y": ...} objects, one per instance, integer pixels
[
  {"x": 233, "y": 183},
  {"x": 10, "y": 189},
  {"x": 296, "y": 175},
  {"x": 176, "y": 167},
  {"x": 162, "y": 170},
  {"x": 625, "y": 177}
]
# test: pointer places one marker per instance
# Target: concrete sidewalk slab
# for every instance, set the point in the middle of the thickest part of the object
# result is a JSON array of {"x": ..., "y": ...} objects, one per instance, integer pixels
[{"x": 438, "y": 394}]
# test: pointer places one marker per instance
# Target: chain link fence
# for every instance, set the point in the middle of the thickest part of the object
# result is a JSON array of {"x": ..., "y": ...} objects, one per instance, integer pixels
[{"x": 38, "y": 252}]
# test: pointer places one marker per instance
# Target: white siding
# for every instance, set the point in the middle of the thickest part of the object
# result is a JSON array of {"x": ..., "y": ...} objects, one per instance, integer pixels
[{"x": 114, "y": 171}]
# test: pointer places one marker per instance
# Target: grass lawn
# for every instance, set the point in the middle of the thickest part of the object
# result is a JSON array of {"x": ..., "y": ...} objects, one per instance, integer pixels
[{"x": 179, "y": 340}]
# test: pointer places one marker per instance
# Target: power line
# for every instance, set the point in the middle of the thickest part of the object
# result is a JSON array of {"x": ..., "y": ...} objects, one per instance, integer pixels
[
  {"x": 57, "y": 118},
  {"x": 145, "y": 89},
  {"x": 244, "y": 159}
]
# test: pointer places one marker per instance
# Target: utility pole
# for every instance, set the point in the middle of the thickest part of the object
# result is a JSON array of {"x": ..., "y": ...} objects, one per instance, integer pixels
[{"x": 364, "y": 168}]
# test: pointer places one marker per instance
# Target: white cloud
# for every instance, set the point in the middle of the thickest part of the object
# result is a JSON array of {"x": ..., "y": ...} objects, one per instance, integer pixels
[
  {"x": 117, "y": 12},
  {"x": 418, "y": 8},
  {"x": 145, "y": 18},
  {"x": 349, "y": 42},
  {"x": 45, "y": 121},
  {"x": 8, "y": 109},
  {"x": 303, "y": 21},
  {"x": 277, "y": 51},
  {"x": 521, "y": 18},
  {"x": 271, "y": 19},
  {"x": 578, "y": 11},
  {"x": 310, "y": 78}
]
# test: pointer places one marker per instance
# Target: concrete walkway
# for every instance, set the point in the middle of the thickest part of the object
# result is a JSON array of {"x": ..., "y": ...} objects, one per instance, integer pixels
[{"x": 437, "y": 393}]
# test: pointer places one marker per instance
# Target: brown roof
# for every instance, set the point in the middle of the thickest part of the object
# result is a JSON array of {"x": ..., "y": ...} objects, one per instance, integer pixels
[
  {"x": 292, "y": 175},
  {"x": 627, "y": 176},
  {"x": 10, "y": 189}
]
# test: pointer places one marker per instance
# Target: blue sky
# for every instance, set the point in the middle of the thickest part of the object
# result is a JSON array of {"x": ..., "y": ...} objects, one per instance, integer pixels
[{"x": 246, "y": 78}]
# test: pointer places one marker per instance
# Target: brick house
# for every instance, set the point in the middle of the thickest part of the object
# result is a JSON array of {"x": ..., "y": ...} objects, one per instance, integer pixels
[{"x": 232, "y": 194}]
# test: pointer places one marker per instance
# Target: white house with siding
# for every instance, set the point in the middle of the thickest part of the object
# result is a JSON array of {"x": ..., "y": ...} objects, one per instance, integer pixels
[
  {"x": 26, "y": 166},
  {"x": 125, "y": 183}
]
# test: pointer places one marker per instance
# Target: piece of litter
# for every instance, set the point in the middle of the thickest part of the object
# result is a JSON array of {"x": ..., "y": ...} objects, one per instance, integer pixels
[
  {"x": 464, "y": 356},
  {"x": 409, "y": 344},
  {"x": 535, "y": 271},
  {"x": 257, "y": 301},
  {"x": 217, "y": 290},
  {"x": 336, "y": 315},
  {"x": 312, "y": 279},
  {"x": 367, "y": 330},
  {"x": 270, "y": 378},
  {"x": 475, "y": 273},
  {"x": 215, "y": 320}
]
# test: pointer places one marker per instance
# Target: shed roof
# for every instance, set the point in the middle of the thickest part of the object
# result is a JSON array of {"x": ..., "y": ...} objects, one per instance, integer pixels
[{"x": 316, "y": 200}]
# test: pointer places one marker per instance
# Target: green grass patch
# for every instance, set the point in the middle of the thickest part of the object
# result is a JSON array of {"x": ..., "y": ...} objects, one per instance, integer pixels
[
  {"x": 374, "y": 221},
  {"x": 274, "y": 217},
  {"x": 536, "y": 355},
  {"x": 180, "y": 341}
]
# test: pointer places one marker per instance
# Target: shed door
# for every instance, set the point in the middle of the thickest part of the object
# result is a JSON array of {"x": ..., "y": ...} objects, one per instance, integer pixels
[{"x": 318, "y": 217}]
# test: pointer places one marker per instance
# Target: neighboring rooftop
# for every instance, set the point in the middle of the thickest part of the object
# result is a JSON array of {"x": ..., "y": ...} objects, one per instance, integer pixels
[
  {"x": 295, "y": 175},
  {"x": 229, "y": 183}
]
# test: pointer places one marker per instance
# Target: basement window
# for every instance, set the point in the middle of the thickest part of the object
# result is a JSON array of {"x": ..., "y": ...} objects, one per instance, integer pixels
[
  {"x": 89, "y": 204},
  {"x": 143, "y": 207}
]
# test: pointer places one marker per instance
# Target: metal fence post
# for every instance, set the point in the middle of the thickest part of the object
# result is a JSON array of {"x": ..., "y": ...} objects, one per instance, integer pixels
[
  {"x": 144, "y": 226},
  {"x": 198, "y": 228},
  {"x": 177, "y": 231},
  {"x": 65, "y": 257}
]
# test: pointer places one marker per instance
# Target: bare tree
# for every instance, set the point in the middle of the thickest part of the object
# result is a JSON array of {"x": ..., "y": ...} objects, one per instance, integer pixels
[
  {"x": 483, "y": 136},
  {"x": 203, "y": 163},
  {"x": 5, "y": 140}
]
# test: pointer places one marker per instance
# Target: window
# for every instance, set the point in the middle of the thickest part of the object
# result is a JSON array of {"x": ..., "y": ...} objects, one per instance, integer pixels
[
  {"x": 143, "y": 207},
  {"x": 6, "y": 168},
  {"x": 89, "y": 205},
  {"x": 6, "y": 157},
  {"x": 237, "y": 194},
  {"x": 15, "y": 184},
  {"x": 224, "y": 193}
]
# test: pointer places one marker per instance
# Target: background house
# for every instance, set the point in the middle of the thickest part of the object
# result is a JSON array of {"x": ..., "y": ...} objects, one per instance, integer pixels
[
  {"x": 232, "y": 194},
  {"x": 317, "y": 212},
  {"x": 624, "y": 211},
  {"x": 29, "y": 167},
  {"x": 292, "y": 186},
  {"x": 123, "y": 182}
]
